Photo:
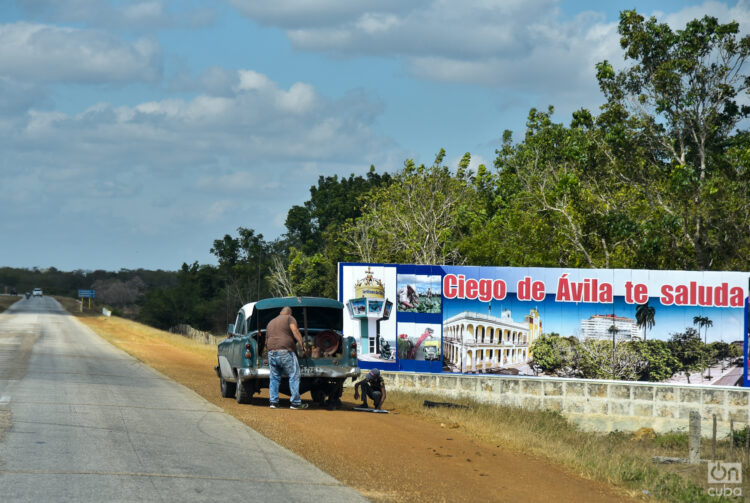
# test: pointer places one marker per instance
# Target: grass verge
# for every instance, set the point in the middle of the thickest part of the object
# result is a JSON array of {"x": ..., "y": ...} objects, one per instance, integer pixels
[
  {"x": 619, "y": 458},
  {"x": 7, "y": 300}
]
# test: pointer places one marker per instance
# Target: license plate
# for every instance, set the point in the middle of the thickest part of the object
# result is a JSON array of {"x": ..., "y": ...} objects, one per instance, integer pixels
[{"x": 307, "y": 370}]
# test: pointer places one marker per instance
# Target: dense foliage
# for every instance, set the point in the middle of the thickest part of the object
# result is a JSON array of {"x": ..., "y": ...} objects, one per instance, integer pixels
[{"x": 651, "y": 360}]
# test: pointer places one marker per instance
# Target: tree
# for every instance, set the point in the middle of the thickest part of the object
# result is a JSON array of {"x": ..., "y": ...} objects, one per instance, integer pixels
[
  {"x": 661, "y": 364},
  {"x": 679, "y": 101},
  {"x": 704, "y": 322},
  {"x": 688, "y": 349},
  {"x": 419, "y": 218},
  {"x": 244, "y": 263},
  {"x": 559, "y": 201},
  {"x": 332, "y": 202},
  {"x": 548, "y": 353},
  {"x": 594, "y": 360},
  {"x": 644, "y": 316}
]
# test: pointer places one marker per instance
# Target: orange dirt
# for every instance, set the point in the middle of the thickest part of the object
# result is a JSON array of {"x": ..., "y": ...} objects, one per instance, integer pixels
[{"x": 386, "y": 457}]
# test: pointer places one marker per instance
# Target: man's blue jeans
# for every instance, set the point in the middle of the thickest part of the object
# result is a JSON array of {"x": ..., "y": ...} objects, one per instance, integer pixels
[{"x": 283, "y": 363}]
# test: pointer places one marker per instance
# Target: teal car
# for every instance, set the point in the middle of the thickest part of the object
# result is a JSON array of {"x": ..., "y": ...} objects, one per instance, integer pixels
[{"x": 331, "y": 358}]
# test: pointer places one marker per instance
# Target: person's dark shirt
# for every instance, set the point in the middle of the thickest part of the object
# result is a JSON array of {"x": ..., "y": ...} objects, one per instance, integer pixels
[
  {"x": 376, "y": 383},
  {"x": 279, "y": 333}
]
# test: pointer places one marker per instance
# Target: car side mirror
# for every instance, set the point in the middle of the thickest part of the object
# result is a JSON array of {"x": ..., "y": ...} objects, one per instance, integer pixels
[{"x": 230, "y": 330}]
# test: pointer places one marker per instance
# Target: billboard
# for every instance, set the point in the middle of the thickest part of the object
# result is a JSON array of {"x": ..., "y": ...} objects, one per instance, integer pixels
[{"x": 468, "y": 319}]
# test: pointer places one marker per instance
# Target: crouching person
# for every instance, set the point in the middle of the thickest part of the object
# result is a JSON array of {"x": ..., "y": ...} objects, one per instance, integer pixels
[{"x": 372, "y": 386}]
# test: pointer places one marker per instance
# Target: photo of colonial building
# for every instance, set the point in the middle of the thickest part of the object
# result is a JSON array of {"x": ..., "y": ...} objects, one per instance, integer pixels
[
  {"x": 602, "y": 326},
  {"x": 474, "y": 342}
]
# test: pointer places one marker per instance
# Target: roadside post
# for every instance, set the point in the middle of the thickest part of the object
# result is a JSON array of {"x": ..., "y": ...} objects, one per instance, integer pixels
[{"x": 86, "y": 294}]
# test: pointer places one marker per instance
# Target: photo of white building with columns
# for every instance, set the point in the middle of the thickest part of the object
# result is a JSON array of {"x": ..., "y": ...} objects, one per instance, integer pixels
[{"x": 474, "y": 342}]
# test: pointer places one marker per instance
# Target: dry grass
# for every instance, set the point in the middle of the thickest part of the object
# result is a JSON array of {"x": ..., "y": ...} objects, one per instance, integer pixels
[
  {"x": 617, "y": 458},
  {"x": 7, "y": 300},
  {"x": 117, "y": 330}
]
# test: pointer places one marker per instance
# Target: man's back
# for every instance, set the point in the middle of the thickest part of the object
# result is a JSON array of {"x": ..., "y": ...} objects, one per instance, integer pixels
[{"x": 279, "y": 333}]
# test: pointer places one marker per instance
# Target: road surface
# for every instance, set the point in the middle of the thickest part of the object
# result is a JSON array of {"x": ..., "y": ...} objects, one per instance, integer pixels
[{"x": 82, "y": 421}]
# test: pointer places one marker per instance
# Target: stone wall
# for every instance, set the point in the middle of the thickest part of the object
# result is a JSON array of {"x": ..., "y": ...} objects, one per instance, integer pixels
[{"x": 593, "y": 404}]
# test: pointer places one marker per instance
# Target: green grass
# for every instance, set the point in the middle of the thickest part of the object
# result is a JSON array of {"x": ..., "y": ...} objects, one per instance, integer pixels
[{"x": 617, "y": 458}]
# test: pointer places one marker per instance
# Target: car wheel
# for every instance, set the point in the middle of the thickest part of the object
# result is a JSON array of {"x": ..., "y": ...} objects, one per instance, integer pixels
[
  {"x": 318, "y": 396},
  {"x": 243, "y": 392},
  {"x": 227, "y": 388}
]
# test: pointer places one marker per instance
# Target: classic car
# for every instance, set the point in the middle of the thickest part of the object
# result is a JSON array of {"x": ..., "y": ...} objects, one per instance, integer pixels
[{"x": 330, "y": 359}]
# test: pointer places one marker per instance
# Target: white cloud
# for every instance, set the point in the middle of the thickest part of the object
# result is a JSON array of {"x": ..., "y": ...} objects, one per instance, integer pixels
[
  {"x": 134, "y": 15},
  {"x": 297, "y": 13},
  {"x": 221, "y": 154},
  {"x": 43, "y": 53},
  {"x": 520, "y": 45},
  {"x": 721, "y": 11}
]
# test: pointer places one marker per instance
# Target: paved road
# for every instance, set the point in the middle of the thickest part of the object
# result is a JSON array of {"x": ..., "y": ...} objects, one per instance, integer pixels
[
  {"x": 82, "y": 421},
  {"x": 731, "y": 378}
]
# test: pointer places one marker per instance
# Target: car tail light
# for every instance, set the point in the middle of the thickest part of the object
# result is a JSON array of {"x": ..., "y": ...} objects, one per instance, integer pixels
[
  {"x": 247, "y": 346},
  {"x": 248, "y": 354},
  {"x": 353, "y": 354}
]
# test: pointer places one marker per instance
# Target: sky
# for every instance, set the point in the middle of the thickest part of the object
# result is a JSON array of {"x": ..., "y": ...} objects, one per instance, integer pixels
[{"x": 133, "y": 133}]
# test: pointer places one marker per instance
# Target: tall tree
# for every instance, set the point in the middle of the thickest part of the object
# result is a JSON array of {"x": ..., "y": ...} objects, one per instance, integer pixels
[
  {"x": 681, "y": 99},
  {"x": 703, "y": 322},
  {"x": 419, "y": 218},
  {"x": 645, "y": 317}
]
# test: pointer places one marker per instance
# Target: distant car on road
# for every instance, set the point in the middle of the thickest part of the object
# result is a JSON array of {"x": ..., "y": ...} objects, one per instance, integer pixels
[
  {"x": 243, "y": 358},
  {"x": 37, "y": 292}
]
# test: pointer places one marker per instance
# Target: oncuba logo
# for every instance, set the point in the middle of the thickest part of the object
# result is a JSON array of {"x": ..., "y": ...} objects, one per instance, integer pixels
[{"x": 723, "y": 473}]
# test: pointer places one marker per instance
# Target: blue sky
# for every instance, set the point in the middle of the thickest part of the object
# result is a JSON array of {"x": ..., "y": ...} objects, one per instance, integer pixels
[{"x": 135, "y": 132}]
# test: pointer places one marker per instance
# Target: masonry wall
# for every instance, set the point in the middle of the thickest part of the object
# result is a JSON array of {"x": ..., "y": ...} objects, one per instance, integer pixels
[{"x": 594, "y": 405}]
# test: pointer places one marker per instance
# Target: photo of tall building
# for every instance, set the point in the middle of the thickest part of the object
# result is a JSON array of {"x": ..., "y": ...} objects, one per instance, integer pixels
[{"x": 602, "y": 326}]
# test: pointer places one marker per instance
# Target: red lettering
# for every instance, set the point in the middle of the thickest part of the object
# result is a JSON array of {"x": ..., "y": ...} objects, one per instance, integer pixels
[
  {"x": 705, "y": 295},
  {"x": 666, "y": 295},
  {"x": 737, "y": 297},
  {"x": 605, "y": 293},
  {"x": 577, "y": 289},
  {"x": 449, "y": 286},
  {"x": 721, "y": 295},
  {"x": 485, "y": 290},
  {"x": 629, "y": 292},
  {"x": 499, "y": 289},
  {"x": 523, "y": 289},
  {"x": 563, "y": 289},
  {"x": 538, "y": 290},
  {"x": 682, "y": 295},
  {"x": 471, "y": 288},
  {"x": 640, "y": 293},
  {"x": 693, "y": 296},
  {"x": 462, "y": 288}
]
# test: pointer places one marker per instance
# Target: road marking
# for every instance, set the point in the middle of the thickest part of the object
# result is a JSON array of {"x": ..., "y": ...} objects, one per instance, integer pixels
[{"x": 171, "y": 476}]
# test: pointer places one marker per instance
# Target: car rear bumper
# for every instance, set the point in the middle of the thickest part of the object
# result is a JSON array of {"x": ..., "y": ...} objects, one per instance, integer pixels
[{"x": 325, "y": 372}]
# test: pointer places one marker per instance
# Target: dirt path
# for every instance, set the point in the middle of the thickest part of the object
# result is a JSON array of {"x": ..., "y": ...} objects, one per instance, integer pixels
[{"x": 394, "y": 457}]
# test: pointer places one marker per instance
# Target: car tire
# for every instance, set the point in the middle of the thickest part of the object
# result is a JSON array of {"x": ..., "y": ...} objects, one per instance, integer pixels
[
  {"x": 227, "y": 388},
  {"x": 243, "y": 392}
]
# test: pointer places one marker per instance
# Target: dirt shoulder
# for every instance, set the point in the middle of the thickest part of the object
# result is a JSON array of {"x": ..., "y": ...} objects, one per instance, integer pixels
[{"x": 394, "y": 457}]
